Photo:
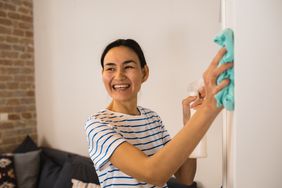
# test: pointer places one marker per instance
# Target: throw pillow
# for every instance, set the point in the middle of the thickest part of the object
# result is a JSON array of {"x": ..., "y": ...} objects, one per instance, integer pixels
[
  {"x": 64, "y": 179},
  {"x": 26, "y": 146},
  {"x": 79, "y": 184},
  {"x": 84, "y": 170},
  {"x": 49, "y": 173},
  {"x": 27, "y": 168},
  {"x": 7, "y": 172}
]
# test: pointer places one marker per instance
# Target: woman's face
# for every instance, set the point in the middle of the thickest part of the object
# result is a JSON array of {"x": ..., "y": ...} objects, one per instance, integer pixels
[{"x": 122, "y": 74}]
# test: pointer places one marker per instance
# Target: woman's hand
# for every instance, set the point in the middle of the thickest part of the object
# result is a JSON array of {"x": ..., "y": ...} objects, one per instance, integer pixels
[
  {"x": 210, "y": 77},
  {"x": 186, "y": 107}
]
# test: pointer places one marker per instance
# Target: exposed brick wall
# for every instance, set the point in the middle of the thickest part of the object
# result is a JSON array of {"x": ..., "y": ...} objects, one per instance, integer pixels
[{"x": 17, "y": 92}]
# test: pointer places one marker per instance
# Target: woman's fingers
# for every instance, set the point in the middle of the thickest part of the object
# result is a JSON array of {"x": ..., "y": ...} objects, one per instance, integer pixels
[
  {"x": 223, "y": 68},
  {"x": 218, "y": 56},
  {"x": 197, "y": 103},
  {"x": 221, "y": 85},
  {"x": 188, "y": 100}
]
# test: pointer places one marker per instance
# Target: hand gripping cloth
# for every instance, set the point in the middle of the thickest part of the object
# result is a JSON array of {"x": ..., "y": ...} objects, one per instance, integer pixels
[{"x": 225, "y": 97}]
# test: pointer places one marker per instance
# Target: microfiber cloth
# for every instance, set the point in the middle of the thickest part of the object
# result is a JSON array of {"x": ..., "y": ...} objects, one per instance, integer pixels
[{"x": 225, "y": 97}]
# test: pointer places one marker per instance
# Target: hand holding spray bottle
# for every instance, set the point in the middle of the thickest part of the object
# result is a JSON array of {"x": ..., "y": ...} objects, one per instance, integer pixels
[{"x": 201, "y": 149}]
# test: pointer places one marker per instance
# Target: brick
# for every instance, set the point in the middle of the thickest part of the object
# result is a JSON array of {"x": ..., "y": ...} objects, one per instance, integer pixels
[
  {"x": 4, "y": 94},
  {"x": 6, "y": 62},
  {"x": 5, "y": 21},
  {"x": 29, "y": 34},
  {"x": 4, "y": 46},
  {"x": 27, "y": 4},
  {"x": 9, "y": 70},
  {"x": 26, "y": 56},
  {"x": 30, "y": 78},
  {"x": 13, "y": 15},
  {"x": 26, "y": 115},
  {"x": 13, "y": 102},
  {"x": 5, "y": 30},
  {"x": 3, "y": 86},
  {"x": 7, "y": 6},
  {"x": 12, "y": 85},
  {"x": 20, "y": 109},
  {"x": 26, "y": 18},
  {"x": 29, "y": 63},
  {"x": 25, "y": 26},
  {"x": 20, "y": 48},
  {"x": 18, "y": 32},
  {"x": 6, "y": 109},
  {"x": 14, "y": 117},
  {"x": 25, "y": 101},
  {"x": 19, "y": 63},
  {"x": 9, "y": 54},
  {"x": 12, "y": 39},
  {"x": 20, "y": 78},
  {"x": 2, "y": 39},
  {"x": 2, "y": 13},
  {"x": 6, "y": 125},
  {"x": 25, "y": 10},
  {"x": 17, "y": 93},
  {"x": 26, "y": 41},
  {"x": 5, "y": 78},
  {"x": 26, "y": 86},
  {"x": 30, "y": 93}
]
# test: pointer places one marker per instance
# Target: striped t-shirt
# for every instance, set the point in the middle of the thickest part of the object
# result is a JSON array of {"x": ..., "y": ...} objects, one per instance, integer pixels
[{"x": 106, "y": 130}]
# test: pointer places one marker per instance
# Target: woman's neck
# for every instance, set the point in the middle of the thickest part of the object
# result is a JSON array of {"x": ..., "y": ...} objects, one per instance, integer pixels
[{"x": 124, "y": 108}]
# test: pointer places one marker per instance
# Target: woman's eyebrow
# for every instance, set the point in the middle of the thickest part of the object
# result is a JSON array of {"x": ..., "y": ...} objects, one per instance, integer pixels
[
  {"x": 129, "y": 61},
  {"x": 124, "y": 63},
  {"x": 110, "y": 64}
]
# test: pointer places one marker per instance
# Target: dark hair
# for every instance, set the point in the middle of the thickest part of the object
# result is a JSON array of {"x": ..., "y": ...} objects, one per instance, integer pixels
[{"x": 130, "y": 43}]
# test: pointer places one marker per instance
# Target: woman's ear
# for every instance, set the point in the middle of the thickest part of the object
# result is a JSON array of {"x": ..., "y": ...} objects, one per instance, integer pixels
[{"x": 145, "y": 71}]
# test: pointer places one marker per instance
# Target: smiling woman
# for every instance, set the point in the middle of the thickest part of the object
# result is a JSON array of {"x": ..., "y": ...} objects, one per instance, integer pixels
[
  {"x": 129, "y": 144},
  {"x": 123, "y": 76}
]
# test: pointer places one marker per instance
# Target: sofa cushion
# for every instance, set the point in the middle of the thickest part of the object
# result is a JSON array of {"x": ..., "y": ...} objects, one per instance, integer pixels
[
  {"x": 79, "y": 184},
  {"x": 50, "y": 171},
  {"x": 64, "y": 178},
  {"x": 26, "y": 146},
  {"x": 84, "y": 170},
  {"x": 7, "y": 172},
  {"x": 27, "y": 168}
]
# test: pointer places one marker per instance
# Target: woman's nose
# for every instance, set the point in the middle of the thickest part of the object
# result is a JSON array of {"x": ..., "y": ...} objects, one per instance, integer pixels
[{"x": 120, "y": 75}]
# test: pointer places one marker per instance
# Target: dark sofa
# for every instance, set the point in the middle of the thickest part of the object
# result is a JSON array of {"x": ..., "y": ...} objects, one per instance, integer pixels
[
  {"x": 59, "y": 167},
  {"x": 45, "y": 167}
]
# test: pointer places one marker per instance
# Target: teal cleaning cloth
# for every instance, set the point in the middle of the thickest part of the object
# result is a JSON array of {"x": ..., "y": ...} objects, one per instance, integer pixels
[{"x": 226, "y": 96}]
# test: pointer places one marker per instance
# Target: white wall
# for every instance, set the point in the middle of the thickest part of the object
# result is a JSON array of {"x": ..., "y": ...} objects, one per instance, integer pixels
[
  {"x": 258, "y": 127},
  {"x": 69, "y": 37}
]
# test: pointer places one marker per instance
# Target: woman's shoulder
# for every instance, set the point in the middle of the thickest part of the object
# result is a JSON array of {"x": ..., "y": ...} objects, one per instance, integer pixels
[{"x": 147, "y": 111}]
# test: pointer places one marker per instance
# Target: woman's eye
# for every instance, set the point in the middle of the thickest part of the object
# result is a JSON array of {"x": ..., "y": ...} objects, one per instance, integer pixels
[{"x": 110, "y": 69}]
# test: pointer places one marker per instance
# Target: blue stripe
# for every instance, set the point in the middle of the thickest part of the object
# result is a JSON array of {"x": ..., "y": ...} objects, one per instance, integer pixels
[
  {"x": 107, "y": 150},
  {"x": 101, "y": 148},
  {"x": 145, "y": 143},
  {"x": 143, "y": 130},
  {"x": 99, "y": 140},
  {"x": 114, "y": 170},
  {"x": 91, "y": 139},
  {"x": 134, "y": 138},
  {"x": 153, "y": 147},
  {"x": 98, "y": 122},
  {"x": 124, "y": 184},
  {"x": 140, "y": 125}
]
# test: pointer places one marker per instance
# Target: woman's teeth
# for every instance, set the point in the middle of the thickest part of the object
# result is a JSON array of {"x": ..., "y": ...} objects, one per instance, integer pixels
[{"x": 121, "y": 86}]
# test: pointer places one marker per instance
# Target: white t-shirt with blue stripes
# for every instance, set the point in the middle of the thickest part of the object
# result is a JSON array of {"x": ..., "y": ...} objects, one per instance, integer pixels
[{"x": 106, "y": 130}]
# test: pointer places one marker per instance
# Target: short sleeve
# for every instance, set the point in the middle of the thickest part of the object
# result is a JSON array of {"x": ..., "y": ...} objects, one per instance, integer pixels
[
  {"x": 165, "y": 135},
  {"x": 102, "y": 140}
]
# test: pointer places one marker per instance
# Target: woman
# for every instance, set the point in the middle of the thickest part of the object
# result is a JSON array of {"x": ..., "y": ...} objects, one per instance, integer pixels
[{"x": 128, "y": 144}]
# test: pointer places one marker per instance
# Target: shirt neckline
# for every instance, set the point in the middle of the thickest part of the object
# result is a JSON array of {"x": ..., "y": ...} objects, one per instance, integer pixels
[{"x": 128, "y": 115}]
